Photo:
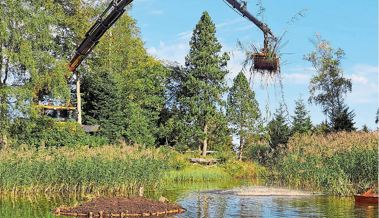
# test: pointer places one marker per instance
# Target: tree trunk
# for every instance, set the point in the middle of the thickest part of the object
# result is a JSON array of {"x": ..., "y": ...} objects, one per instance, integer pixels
[
  {"x": 241, "y": 148},
  {"x": 78, "y": 100},
  {"x": 205, "y": 142}
]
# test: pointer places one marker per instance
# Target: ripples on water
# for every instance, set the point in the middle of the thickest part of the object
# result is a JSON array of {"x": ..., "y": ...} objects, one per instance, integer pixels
[
  {"x": 207, "y": 205},
  {"x": 210, "y": 205}
]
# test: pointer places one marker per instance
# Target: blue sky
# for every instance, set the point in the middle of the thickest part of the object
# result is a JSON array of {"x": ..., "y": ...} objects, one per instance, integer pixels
[{"x": 166, "y": 27}]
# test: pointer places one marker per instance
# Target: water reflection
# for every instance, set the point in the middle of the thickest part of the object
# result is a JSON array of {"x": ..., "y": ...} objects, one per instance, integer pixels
[
  {"x": 202, "y": 204},
  {"x": 211, "y": 205}
]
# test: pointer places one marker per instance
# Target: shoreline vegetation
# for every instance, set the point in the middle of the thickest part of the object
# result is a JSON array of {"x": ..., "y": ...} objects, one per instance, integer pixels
[
  {"x": 336, "y": 164},
  {"x": 150, "y": 112}
]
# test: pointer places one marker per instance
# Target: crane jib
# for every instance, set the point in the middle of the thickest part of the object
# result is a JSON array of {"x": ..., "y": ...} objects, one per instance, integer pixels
[
  {"x": 241, "y": 7},
  {"x": 105, "y": 21},
  {"x": 114, "y": 11}
]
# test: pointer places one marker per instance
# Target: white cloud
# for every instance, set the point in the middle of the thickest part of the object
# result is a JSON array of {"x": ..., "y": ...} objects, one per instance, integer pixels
[
  {"x": 298, "y": 78},
  {"x": 229, "y": 23},
  {"x": 365, "y": 69},
  {"x": 365, "y": 84},
  {"x": 156, "y": 12},
  {"x": 358, "y": 79},
  {"x": 173, "y": 51}
]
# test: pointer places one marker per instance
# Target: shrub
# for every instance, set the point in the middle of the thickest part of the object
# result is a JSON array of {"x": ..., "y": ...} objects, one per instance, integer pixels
[{"x": 45, "y": 132}]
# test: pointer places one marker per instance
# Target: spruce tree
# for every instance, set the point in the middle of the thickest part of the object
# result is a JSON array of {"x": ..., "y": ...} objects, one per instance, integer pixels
[
  {"x": 342, "y": 119},
  {"x": 102, "y": 104},
  {"x": 242, "y": 110},
  {"x": 136, "y": 79},
  {"x": 204, "y": 85},
  {"x": 301, "y": 120},
  {"x": 278, "y": 129}
]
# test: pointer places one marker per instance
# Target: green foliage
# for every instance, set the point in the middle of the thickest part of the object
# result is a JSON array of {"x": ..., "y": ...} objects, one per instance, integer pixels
[
  {"x": 201, "y": 90},
  {"x": 301, "y": 121},
  {"x": 278, "y": 130},
  {"x": 124, "y": 88},
  {"x": 45, "y": 132},
  {"x": 322, "y": 128},
  {"x": 341, "y": 119},
  {"x": 197, "y": 173},
  {"x": 245, "y": 170},
  {"x": 242, "y": 110},
  {"x": 102, "y": 104},
  {"x": 329, "y": 86},
  {"x": 340, "y": 164},
  {"x": 78, "y": 171}
]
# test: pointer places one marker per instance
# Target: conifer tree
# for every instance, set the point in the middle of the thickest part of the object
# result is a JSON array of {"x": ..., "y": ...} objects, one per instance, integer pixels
[
  {"x": 342, "y": 119},
  {"x": 242, "y": 110},
  {"x": 137, "y": 83},
  {"x": 103, "y": 106},
  {"x": 301, "y": 120},
  {"x": 278, "y": 129},
  {"x": 204, "y": 85}
]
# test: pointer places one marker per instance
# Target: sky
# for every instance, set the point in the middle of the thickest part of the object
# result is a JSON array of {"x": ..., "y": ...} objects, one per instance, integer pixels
[{"x": 166, "y": 27}]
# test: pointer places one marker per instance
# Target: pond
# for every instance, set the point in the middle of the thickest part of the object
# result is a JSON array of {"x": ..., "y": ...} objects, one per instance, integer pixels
[{"x": 201, "y": 203}]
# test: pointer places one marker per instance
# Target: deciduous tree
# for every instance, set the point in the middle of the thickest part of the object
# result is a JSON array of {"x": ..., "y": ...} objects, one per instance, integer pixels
[{"x": 328, "y": 86}]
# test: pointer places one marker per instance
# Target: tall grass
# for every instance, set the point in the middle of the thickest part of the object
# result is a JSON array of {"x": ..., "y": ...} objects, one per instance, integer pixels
[
  {"x": 197, "y": 173},
  {"x": 80, "y": 170},
  {"x": 339, "y": 164}
]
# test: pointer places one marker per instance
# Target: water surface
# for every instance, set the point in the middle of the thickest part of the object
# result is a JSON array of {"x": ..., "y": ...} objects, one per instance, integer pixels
[{"x": 201, "y": 203}]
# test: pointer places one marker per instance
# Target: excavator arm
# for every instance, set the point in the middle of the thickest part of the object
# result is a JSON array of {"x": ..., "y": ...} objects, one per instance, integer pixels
[{"x": 92, "y": 37}]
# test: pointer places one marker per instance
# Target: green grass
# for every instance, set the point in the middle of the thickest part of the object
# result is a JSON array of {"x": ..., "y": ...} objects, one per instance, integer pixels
[{"x": 196, "y": 173}]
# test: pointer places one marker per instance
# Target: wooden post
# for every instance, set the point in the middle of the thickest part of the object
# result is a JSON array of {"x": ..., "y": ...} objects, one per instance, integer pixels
[{"x": 78, "y": 99}]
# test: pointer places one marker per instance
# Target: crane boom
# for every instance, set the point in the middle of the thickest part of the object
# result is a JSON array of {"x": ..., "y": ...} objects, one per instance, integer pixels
[
  {"x": 241, "y": 7},
  {"x": 117, "y": 7},
  {"x": 113, "y": 12}
]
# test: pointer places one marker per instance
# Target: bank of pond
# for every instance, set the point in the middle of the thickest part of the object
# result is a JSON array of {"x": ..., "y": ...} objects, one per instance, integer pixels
[{"x": 339, "y": 164}]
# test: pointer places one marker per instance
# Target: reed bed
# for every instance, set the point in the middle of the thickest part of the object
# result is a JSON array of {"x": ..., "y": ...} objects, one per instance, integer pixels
[
  {"x": 197, "y": 173},
  {"x": 83, "y": 170},
  {"x": 338, "y": 164}
]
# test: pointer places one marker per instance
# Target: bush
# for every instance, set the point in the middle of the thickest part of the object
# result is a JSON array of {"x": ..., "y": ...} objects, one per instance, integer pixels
[{"x": 45, "y": 132}]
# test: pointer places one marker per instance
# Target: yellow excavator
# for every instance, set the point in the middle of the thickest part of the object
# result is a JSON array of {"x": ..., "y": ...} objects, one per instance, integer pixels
[{"x": 263, "y": 60}]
